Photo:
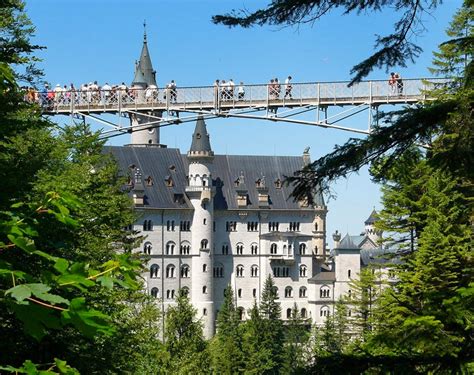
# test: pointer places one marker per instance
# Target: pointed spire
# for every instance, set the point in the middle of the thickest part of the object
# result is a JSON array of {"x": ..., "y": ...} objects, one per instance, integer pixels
[
  {"x": 144, "y": 73},
  {"x": 201, "y": 144},
  {"x": 372, "y": 218}
]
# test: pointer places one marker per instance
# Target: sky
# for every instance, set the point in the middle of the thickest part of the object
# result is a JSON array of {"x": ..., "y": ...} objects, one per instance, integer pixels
[{"x": 91, "y": 40}]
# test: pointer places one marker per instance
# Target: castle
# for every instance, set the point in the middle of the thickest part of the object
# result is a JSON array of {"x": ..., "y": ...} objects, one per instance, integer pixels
[{"x": 214, "y": 220}]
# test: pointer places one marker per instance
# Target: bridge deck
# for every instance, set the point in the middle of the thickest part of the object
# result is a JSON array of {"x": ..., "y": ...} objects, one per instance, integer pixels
[{"x": 210, "y": 98}]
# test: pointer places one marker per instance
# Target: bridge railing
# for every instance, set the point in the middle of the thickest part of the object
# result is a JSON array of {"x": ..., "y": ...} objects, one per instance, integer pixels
[{"x": 324, "y": 93}]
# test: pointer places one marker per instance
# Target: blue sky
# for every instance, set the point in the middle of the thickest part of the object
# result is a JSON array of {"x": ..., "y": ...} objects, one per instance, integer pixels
[{"x": 100, "y": 40}]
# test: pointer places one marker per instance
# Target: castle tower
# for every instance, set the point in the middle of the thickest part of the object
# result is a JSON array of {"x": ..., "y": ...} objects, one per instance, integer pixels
[
  {"x": 144, "y": 77},
  {"x": 200, "y": 193},
  {"x": 374, "y": 234}
]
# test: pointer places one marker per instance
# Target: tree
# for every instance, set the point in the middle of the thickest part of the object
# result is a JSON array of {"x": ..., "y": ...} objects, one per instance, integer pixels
[
  {"x": 184, "y": 340},
  {"x": 226, "y": 346},
  {"x": 395, "y": 49},
  {"x": 296, "y": 341}
]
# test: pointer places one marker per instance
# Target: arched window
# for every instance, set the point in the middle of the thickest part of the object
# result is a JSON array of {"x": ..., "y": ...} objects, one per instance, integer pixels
[
  {"x": 147, "y": 248},
  {"x": 302, "y": 248},
  {"x": 275, "y": 291},
  {"x": 185, "y": 291},
  {"x": 239, "y": 271},
  {"x": 204, "y": 244},
  {"x": 288, "y": 292},
  {"x": 303, "y": 292},
  {"x": 254, "y": 293},
  {"x": 170, "y": 248},
  {"x": 185, "y": 248},
  {"x": 185, "y": 272},
  {"x": 170, "y": 271},
  {"x": 288, "y": 313},
  {"x": 240, "y": 248},
  {"x": 303, "y": 271},
  {"x": 254, "y": 249},
  {"x": 170, "y": 294},
  {"x": 304, "y": 313},
  {"x": 254, "y": 271},
  {"x": 315, "y": 227},
  {"x": 324, "y": 311},
  {"x": 239, "y": 293},
  {"x": 349, "y": 274},
  {"x": 154, "y": 271},
  {"x": 218, "y": 271},
  {"x": 325, "y": 292},
  {"x": 204, "y": 289},
  {"x": 155, "y": 292},
  {"x": 204, "y": 312},
  {"x": 273, "y": 248}
]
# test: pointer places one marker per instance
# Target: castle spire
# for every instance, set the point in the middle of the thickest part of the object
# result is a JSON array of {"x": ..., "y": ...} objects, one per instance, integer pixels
[
  {"x": 201, "y": 145},
  {"x": 144, "y": 73}
]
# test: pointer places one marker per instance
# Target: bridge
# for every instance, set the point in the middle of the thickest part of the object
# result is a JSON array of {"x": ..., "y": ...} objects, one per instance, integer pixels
[{"x": 260, "y": 101}]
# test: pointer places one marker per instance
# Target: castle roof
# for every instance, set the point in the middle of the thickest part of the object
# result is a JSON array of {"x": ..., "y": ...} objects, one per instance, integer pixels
[
  {"x": 144, "y": 73},
  {"x": 201, "y": 141},
  {"x": 156, "y": 163},
  {"x": 372, "y": 218},
  {"x": 347, "y": 244}
]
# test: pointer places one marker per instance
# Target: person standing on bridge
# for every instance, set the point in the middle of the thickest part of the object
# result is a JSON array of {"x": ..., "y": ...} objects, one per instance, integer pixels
[
  {"x": 398, "y": 79},
  {"x": 392, "y": 83},
  {"x": 288, "y": 88},
  {"x": 216, "y": 93},
  {"x": 231, "y": 89},
  {"x": 241, "y": 91}
]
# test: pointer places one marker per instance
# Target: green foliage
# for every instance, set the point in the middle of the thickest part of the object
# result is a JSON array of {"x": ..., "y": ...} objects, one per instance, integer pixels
[{"x": 296, "y": 339}]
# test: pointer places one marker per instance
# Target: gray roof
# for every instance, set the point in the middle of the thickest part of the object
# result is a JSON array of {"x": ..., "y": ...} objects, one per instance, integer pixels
[
  {"x": 372, "y": 218},
  {"x": 358, "y": 240},
  {"x": 201, "y": 141},
  {"x": 157, "y": 163},
  {"x": 323, "y": 277},
  {"x": 144, "y": 73},
  {"x": 379, "y": 256},
  {"x": 347, "y": 244}
]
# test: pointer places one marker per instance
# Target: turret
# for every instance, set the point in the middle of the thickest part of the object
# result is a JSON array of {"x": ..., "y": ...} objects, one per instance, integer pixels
[
  {"x": 145, "y": 76},
  {"x": 200, "y": 193},
  {"x": 370, "y": 230}
]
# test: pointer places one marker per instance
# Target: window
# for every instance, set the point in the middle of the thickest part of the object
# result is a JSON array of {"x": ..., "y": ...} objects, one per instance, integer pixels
[
  {"x": 349, "y": 274},
  {"x": 204, "y": 289},
  {"x": 288, "y": 292},
  {"x": 294, "y": 227},
  {"x": 184, "y": 248},
  {"x": 302, "y": 249},
  {"x": 231, "y": 226},
  {"x": 324, "y": 292},
  {"x": 254, "y": 249},
  {"x": 185, "y": 272},
  {"x": 185, "y": 226},
  {"x": 155, "y": 292},
  {"x": 170, "y": 225},
  {"x": 170, "y": 248},
  {"x": 218, "y": 271},
  {"x": 315, "y": 227},
  {"x": 185, "y": 291},
  {"x": 225, "y": 249},
  {"x": 278, "y": 184},
  {"x": 240, "y": 249},
  {"x": 154, "y": 271},
  {"x": 204, "y": 221},
  {"x": 349, "y": 293},
  {"x": 304, "y": 314},
  {"x": 254, "y": 293},
  {"x": 204, "y": 268},
  {"x": 149, "y": 181},
  {"x": 240, "y": 271},
  {"x": 273, "y": 248},
  {"x": 170, "y": 271},
  {"x": 281, "y": 271},
  {"x": 204, "y": 312},
  {"x": 288, "y": 313},
  {"x": 303, "y": 292},
  {"x": 204, "y": 244},
  {"x": 252, "y": 226},
  {"x": 239, "y": 293},
  {"x": 303, "y": 271},
  {"x": 147, "y": 225},
  {"x": 240, "y": 311},
  {"x": 170, "y": 294},
  {"x": 324, "y": 311},
  {"x": 273, "y": 226},
  {"x": 254, "y": 271},
  {"x": 147, "y": 248}
]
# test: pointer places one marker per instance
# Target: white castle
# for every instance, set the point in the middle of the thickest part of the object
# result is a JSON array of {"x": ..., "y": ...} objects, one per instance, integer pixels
[{"x": 214, "y": 220}]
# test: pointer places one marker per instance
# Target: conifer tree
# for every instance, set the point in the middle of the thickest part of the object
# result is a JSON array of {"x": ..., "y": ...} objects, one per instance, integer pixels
[{"x": 296, "y": 341}]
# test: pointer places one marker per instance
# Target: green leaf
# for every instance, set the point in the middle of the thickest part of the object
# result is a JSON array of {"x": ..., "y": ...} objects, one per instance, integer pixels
[
  {"x": 36, "y": 319},
  {"x": 106, "y": 281},
  {"x": 23, "y": 243},
  {"x": 24, "y": 291}
]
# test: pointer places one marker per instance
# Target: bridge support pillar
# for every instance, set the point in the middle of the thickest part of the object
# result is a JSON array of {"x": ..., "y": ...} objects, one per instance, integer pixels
[{"x": 145, "y": 137}]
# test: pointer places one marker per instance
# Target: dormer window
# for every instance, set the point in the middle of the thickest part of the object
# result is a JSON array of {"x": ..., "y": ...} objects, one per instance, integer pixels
[
  {"x": 149, "y": 181},
  {"x": 258, "y": 183},
  {"x": 278, "y": 184},
  {"x": 237, "y": 182},
  {"x": 169, "y": 181},
  {"x": 129, "y": 181},
  {"x": 172, "y": 167},
  {"x": 198, "y": 136}
]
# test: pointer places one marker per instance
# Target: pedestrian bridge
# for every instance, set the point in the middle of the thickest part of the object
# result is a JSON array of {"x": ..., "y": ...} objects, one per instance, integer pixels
[{"x": 209, "y": 98}]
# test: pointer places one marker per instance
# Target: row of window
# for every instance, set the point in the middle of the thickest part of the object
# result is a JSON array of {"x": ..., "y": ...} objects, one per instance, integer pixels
[
  {"x": 185, "y": 248},
  {"x": 231, "y": 226},
  {"x": 285, "y": 271}
]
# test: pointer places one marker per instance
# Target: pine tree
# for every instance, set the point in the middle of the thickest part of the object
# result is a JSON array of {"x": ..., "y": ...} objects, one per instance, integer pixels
[
  {"x": 226, "y": 346},
  {"x": 184, "y": 340},
  {"x": 296, "y": 340}
]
